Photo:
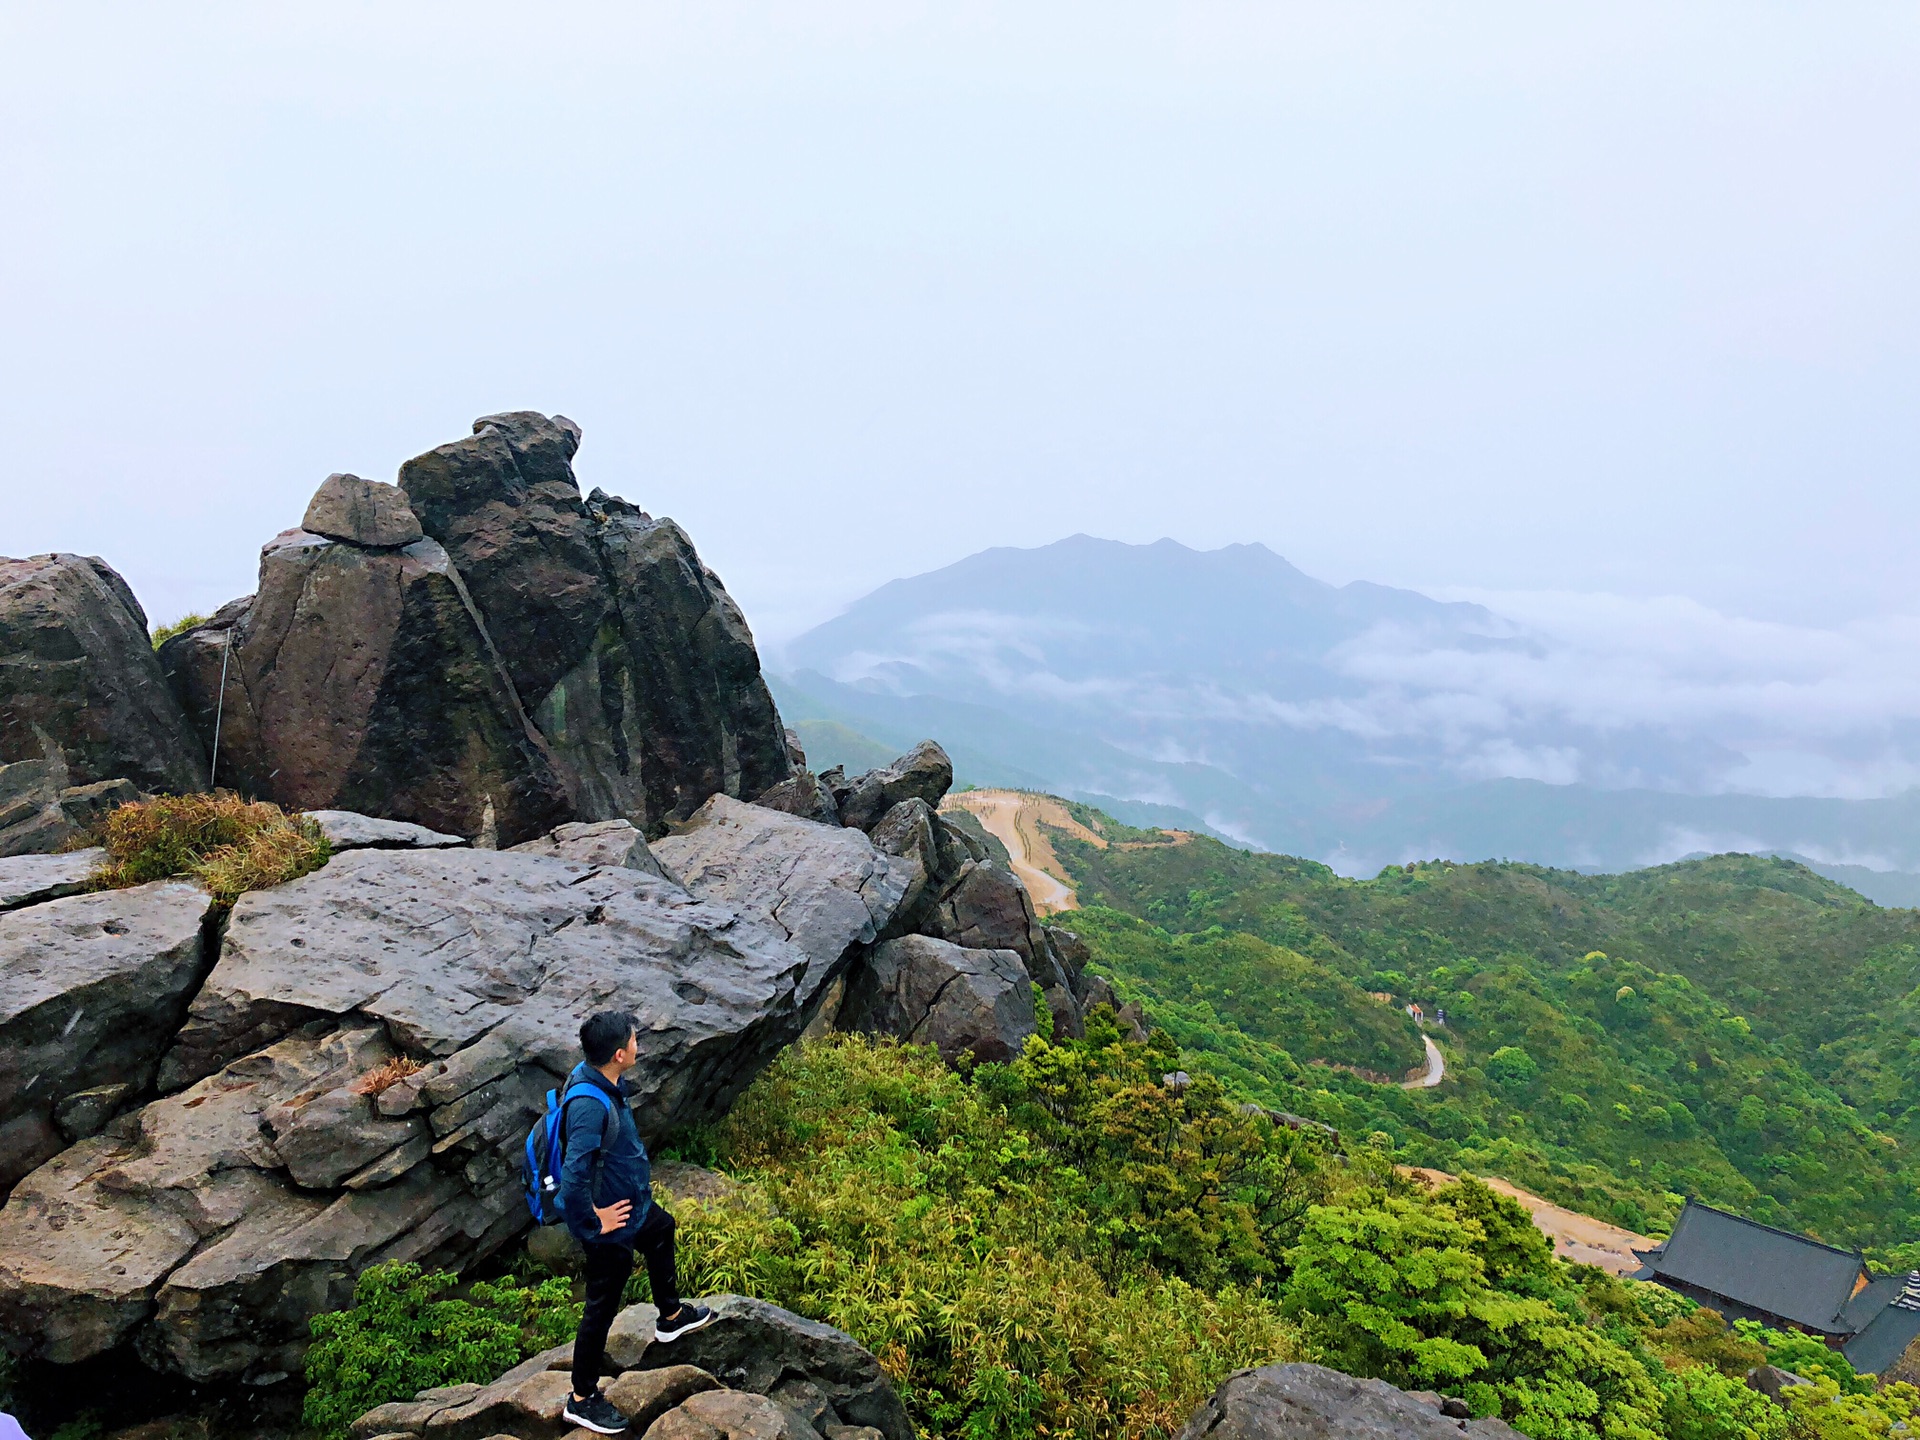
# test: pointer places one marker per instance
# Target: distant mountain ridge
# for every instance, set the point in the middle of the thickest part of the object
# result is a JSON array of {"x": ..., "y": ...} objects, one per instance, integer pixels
[{"x": 1229, "y": 691}]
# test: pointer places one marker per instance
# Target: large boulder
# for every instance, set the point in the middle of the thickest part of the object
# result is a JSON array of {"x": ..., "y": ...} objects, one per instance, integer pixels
[
  {"x": 1311, "y": 1402},
  {"x": 628, "y": 653},
  {"x": 365, "y": 512},
  {"x": 827, "y": 890},
  {"x": 757, "y": 1347},
  {"x": 928, "y": 992},
  {"x": 79, "y": 682},
  {"x": 91, "y": 989},
  {"x": 987, "y": 907},
  {"x": 923, "y": 773},
  {"x": 361, "y": 678}
]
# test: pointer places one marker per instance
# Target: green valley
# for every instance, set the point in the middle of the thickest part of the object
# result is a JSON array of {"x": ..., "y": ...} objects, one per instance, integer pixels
[{"x": 1736, "y": 1028}]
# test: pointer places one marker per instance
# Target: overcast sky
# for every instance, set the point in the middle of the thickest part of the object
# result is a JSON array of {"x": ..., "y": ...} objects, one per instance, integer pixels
[{"x": 1596, "y": 298}]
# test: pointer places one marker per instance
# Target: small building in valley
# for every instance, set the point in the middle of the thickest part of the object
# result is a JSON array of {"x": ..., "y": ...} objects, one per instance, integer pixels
[{"x": 1750, "y": 1271}]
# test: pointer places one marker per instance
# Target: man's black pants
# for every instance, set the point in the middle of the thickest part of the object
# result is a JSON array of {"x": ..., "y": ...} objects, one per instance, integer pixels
[{"x": 607, "y": 1269}]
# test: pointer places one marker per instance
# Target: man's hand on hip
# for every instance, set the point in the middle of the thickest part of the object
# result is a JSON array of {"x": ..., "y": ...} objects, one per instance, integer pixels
[{"x": 614, "y": 1216}]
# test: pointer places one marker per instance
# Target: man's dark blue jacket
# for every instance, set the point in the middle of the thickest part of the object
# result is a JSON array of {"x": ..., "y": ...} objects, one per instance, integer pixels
[{"x": 625, "y": 1173}]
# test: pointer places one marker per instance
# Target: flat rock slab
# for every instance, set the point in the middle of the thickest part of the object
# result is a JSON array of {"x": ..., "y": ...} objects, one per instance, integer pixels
[
  {"x": 1311, "y": 1402},
  {"x": 346, "y": 830},
  {"x": 598, "y": 842},
  {"x": 449, "y": 946},
  {"x": 823, "y": 889},
  {"x": 91, "y": 988},
  {"x": 31, "y": 879}
]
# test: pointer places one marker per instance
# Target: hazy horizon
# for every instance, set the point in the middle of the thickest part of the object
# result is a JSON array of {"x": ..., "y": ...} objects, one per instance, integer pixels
[{"x": 1601, "y": 316}]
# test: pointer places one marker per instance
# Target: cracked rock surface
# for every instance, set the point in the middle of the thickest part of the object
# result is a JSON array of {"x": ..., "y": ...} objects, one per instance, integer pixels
[
  {"x": 355, "y": 1074},
  {"x": 91, "y": 988},
  {"x": 824, "y": 888}
]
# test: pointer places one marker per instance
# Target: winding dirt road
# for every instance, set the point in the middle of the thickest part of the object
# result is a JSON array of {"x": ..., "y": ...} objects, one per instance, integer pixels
[{"x": 1014, "y": 818}]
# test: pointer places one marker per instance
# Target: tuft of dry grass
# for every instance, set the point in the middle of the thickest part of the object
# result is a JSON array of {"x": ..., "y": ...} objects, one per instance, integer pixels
[
  {"x": 228, "y": 844},
  {"x": 385, "y": 1077}
]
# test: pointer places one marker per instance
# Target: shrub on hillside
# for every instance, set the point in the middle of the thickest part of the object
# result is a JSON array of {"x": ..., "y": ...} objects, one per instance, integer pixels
[
  {"x": 404, "y": 1334},
  {"x": 1011, "y": 1243},
  {"x": 228, "y": 844},
  {"x": 164, "y": 633},
  {"x": 1458, "y": 1291}
]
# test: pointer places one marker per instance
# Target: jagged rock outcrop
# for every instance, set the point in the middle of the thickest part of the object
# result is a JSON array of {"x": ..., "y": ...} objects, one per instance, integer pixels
[
  {"x": 354, "y": 1076},
  {"x": 928, "y": 992},
  {"x": 825, "y": 889},
  {"x": 1311, "y": 1402},
  {"x": 91, "y": 989},
  {"x": 361, "y": 678},
  {"x": 757, "y": 1373},
  {"x": 627, "y": 651},
  {"x": 923, "y": 773},
  {"x": 79, "y": 683},
  {"x": 952, "y": 888}
]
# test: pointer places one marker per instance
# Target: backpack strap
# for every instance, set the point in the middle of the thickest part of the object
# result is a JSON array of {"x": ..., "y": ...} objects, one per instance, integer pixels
[{"x": 575, "y": 1090}]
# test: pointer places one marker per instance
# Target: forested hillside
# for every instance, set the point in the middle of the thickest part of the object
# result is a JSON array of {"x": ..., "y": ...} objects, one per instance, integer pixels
[{"x": 1733, "y": 1028}]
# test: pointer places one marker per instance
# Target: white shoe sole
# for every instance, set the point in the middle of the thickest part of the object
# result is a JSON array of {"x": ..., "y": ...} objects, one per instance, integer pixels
[
  {"x": 666, "y": 1337},
  {"x": 586, "y": 1424}
]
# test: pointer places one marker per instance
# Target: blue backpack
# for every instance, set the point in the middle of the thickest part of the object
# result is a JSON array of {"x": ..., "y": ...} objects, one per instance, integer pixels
[{"x": 546, "y": 1153}]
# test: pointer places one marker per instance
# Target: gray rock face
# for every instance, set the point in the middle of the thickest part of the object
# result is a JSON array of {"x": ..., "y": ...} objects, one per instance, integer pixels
[
  {"x": 208, "y": 1226},
  {"x": 91, "y": 988},
  {"x": 346, "y": 830},
  {"x": 923, "y": 773},
  {"x": 30, "y": 879},
  {"x": 754, "y": 1346},
  {"x": 932, "y": 993},
  {"x": 362, "y": 680},
  {"x": 501, "y": 955},
  {"x": 365, "y": 512},
  {"x": 1310, "y": 1402},
  {"x": 600, "y": 842},
  {"x": 79, "y": 682},
  {"x": 176, "y": 1228},
  {"x": 826, "y": 890},
  {"x": 627, "y": 651},
  {"x": 986, "y": 907}
]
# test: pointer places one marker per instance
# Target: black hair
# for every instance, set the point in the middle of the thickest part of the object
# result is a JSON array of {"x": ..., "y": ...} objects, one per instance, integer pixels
[{"x": 604, "y": 1032}]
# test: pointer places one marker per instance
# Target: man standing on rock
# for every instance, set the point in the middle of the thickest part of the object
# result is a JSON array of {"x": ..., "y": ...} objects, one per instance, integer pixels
[{"x": 605, "y": 1162}]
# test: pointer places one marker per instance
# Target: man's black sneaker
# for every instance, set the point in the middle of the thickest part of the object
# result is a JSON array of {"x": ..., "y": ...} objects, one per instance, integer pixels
[
  {"x": 595, "y": 1413},
  {"x": 684, "y": 1321}
]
